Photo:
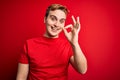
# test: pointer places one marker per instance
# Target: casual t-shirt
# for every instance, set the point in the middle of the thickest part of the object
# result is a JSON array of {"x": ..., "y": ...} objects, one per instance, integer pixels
[{"x": 48, "y": 58}]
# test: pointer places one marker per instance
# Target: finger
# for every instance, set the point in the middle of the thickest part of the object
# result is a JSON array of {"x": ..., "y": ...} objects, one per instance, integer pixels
[
  {"x": 68, "y": 26},
  {"x": 74, "y": 21},
  {"x": 65, "y": 31},
  {"x": 78, "y": 20},
  {"x": 78, "y": 24}
]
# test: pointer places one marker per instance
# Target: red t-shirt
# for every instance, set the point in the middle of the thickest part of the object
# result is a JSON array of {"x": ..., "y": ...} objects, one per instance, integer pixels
[{"x": 48, "y": 58}]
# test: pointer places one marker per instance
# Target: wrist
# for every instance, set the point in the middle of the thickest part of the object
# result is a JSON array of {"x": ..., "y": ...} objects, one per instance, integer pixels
[{"x": 75, "y": 44}]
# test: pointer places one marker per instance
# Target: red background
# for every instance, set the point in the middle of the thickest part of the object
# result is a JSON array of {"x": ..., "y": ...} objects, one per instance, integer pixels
[{"x": 99, "y": 37}]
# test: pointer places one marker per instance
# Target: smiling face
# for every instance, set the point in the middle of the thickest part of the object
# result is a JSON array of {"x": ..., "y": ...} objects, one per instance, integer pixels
[{"x": 54, "y": 23}]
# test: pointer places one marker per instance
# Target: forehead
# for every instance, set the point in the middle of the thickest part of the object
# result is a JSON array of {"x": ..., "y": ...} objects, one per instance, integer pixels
[{"x": 58, "y": 13}]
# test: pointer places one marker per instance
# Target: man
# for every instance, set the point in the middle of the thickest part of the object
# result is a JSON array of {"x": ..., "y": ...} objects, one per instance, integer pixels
[{"x": 48, "y": 57}]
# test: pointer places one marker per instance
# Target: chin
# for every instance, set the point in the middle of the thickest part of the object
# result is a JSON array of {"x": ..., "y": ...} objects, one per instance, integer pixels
[{"x": 54, "y": 35}]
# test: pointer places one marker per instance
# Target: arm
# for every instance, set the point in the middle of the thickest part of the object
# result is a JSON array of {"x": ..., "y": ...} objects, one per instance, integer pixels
[
  {"x": 78, "y": 60},
  {"x": 23, "y": 70}
]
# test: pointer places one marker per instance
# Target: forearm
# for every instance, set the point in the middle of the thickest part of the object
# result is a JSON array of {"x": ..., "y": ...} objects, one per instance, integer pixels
[
  {"x": 22, "y": 71},
  {"x": 80, "y": 61},
  {"x": 20, "y": 78}
]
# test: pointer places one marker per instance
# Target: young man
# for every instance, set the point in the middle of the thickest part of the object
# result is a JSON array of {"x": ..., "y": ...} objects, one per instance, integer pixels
[{"x": 48, "y": 57}]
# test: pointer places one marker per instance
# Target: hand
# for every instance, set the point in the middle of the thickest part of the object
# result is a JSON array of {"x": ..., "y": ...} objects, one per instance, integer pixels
[{"x": 72, "y": 36}]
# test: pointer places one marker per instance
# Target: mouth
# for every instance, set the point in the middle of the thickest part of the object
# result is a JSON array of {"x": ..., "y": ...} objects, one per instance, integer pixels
[{"x": 54, "y": 29}]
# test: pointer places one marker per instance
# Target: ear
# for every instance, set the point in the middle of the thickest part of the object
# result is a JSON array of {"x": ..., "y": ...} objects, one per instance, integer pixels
[{"x": 44, "y": 19}]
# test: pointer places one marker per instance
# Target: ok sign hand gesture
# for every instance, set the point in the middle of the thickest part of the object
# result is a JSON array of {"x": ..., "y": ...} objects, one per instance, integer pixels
[{"x": 72, "y": 36}]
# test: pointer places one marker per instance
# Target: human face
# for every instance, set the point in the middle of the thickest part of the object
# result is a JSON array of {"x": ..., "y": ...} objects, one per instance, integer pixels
[{"x": 54, "y": 23}]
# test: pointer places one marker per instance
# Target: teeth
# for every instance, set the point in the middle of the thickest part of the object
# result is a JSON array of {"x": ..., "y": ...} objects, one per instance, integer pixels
[{"x": 54, "y": 28}]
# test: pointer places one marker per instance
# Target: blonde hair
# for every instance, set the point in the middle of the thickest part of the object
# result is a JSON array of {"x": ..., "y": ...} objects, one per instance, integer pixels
[{"x": 56, "y": 7}]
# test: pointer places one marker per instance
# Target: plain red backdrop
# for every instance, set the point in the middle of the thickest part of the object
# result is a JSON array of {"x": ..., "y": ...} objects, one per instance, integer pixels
[{"x": 99, "y": 37}]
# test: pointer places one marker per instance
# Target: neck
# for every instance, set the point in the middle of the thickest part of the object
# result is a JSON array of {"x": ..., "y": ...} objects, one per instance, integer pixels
[{"x": 49, "y": 36}]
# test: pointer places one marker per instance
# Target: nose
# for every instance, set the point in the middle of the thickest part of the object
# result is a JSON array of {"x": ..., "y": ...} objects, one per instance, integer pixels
[{"x": 57, "y": 24}]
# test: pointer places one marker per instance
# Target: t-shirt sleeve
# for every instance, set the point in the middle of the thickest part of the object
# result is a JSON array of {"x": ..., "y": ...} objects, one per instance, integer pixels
[{"x": 23, "y": 57}]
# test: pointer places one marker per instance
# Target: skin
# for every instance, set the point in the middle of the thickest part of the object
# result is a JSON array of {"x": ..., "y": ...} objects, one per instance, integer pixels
[
  {"x": 55, "y": 23},
  {"x": 78, "y": 60}
]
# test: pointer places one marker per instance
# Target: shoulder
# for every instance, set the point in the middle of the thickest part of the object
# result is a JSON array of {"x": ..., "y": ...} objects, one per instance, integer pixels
[
  {"x": 35, "y": 39},
  {"x": 64, "y": 41}
]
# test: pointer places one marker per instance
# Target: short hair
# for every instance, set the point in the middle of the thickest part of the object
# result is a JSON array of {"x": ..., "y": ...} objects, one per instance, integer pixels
[{"x": 56, "y": 7}]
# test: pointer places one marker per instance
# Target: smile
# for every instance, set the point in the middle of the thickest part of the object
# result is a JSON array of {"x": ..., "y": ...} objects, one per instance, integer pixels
[{"x": 54, "y": 29}]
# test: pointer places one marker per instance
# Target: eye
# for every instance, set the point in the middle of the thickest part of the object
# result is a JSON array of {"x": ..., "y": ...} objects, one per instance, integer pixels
[
  {"x": 62, "y": 21},
  {"x": 53, "y": 19}
]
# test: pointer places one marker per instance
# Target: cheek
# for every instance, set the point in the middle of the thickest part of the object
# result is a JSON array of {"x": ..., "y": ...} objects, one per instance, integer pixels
[
  {"x": 62, "y": 25},
  {"x": 49, "y": 22}
]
